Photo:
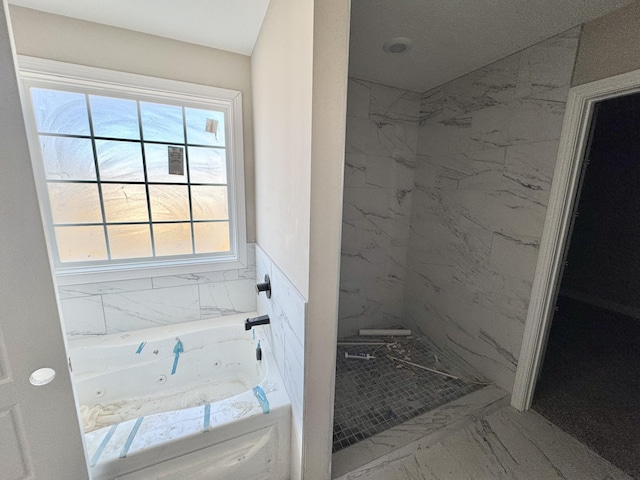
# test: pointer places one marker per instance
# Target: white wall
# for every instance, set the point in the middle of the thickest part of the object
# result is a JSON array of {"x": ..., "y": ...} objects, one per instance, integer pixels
[
  {"x": 281, "y": 68},
  {"x": 330, "y": 68},
  {"x": 299, "y": 74},
  {"x": 65, "y": 39},
  {"x": 30, "y": 336}
]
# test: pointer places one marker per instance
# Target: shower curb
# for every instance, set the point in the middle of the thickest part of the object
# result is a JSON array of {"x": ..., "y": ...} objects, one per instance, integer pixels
[{"x": 429, "y": 428}]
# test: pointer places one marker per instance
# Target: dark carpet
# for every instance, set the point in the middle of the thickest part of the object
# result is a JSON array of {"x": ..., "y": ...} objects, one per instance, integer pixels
[{"x": 590, "y": 381}]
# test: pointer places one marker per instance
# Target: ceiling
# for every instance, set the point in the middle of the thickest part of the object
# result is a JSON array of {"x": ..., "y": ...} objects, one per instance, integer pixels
[
  {"x": 450, "y": 37},
  {"x": 231, "y": 25},
  {"x": 454, "y": 37}
]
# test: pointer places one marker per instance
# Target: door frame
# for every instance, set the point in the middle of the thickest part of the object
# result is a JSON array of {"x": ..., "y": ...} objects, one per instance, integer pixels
[{"x": 562, "y": 198}]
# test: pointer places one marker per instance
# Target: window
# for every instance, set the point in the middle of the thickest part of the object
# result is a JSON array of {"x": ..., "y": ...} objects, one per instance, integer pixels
[{"x": 134, "y": 173}]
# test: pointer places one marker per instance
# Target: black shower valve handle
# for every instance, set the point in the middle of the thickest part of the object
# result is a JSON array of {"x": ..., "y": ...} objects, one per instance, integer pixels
[{"x": 265, "y": 286}]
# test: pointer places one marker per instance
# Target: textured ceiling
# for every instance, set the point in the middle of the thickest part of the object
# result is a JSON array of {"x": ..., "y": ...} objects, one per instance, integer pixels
[{"x": 454, "y": 37}]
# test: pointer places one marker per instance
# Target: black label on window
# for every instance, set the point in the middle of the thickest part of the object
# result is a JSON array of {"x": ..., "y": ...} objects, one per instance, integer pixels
[{"x": 176, "y": 160}]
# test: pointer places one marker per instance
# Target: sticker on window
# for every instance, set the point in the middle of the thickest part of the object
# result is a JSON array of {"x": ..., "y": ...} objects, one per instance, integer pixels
[
  {"x": 212, "y": 127},
  {"x": 176, "y": 160}
]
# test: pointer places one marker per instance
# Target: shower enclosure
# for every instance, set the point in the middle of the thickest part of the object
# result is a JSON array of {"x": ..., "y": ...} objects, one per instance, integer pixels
[{"x": 445, "y": 195}]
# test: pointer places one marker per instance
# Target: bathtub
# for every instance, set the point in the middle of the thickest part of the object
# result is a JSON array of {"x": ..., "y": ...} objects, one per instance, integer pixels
[{"x": 183, "y": 401}]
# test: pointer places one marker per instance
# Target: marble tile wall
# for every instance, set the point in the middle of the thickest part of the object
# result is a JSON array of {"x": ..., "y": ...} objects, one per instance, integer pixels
[
  {"x": 381, "y": 142},
  {"x": 487, "y": 147},
  {"x": 287, "y": 309},
  {"x": 111, "y": 307}
]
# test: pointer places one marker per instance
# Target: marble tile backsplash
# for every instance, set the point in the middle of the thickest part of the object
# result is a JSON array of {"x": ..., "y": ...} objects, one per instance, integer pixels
[
  {"x": 381, "y": 143},
  {"x": 120, "y": 306},
  {"x": 487, "y": 147},
  {"x": 287, "y": 310}
]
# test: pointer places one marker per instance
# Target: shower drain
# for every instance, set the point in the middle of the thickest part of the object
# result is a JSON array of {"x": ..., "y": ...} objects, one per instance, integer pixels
[
  {"x": 161, "y": 379},
  {"x": 99, "y": 392}
]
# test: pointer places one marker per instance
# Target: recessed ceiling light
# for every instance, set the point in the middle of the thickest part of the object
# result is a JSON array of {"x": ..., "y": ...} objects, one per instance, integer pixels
[{"x": 397, "y": 45}]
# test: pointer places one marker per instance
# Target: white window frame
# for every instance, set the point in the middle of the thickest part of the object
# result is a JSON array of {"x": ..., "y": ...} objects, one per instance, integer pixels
[{"x": 37, "y": 72}]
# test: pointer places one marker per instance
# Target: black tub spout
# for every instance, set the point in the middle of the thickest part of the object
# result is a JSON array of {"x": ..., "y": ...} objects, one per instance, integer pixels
[{"x": 249, "y": 323}]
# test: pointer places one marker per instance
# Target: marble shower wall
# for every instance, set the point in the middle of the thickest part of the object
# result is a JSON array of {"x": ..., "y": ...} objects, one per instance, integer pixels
[
  {"x": 287, "y": 310},
  {"x": 487, "y": 147},
  {"x": 120, "y": 306},
  {"x": 381, "y": 141}
]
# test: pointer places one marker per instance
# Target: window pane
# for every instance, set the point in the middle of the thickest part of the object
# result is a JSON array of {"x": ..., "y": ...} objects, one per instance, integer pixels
[
  {"x": 157, "y": 157},
  {"x": 60, "y": 112},
  {"x": 211, "y": 237},
  {"x": 77, "y": 244},
  {"x": 114, "y": 117},
  {"x": 68, "y": 158},
  {"x": 129, "y": 241},
  {"x": 209, "y": 203},
  {"x": 207, "y": 165},
  {"x": 74, "y": 203},
  {"x": 169, "y": 202},
  {"x": 162, "y": 123},
  {"x": 205, "y": 127},
  {"x": 172, "y": 239},
  {"x": 120, "y": 160},
  {"x": 125, "y": 203}
]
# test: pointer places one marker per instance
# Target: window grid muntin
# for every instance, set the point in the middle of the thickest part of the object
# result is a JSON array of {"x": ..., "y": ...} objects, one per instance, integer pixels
[
  {"x": 99, "y": 182},
  {"x": 146, "y": 181},
  {"x": 186, "y": 158}
]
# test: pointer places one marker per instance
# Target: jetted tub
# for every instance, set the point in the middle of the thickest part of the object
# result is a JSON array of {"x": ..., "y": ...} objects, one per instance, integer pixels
[{"x": 183, "y": 401}]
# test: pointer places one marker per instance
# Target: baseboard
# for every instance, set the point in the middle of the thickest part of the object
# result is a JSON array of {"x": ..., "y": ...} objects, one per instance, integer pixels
[{"x": 601, "y": 302}]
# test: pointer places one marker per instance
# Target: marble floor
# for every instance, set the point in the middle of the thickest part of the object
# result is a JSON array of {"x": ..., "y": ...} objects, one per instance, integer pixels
[
  {"x": 378, "y": 394},
  {"x": 487, "y": 442}
]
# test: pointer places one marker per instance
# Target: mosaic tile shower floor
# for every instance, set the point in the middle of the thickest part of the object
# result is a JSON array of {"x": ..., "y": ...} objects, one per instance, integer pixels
[{"x": 375, "y": 395}]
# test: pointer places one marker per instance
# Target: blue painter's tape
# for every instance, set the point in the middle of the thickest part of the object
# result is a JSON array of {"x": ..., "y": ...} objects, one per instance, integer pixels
[
  {"x": 140, "y": 347},
  {"x": 262, "y": 399},
  {"x": 177, "y": 350},
  {"x": 102, "y": 446},
  {"x": 207, "y": 415},
  {"x": 132, "y": 435}
]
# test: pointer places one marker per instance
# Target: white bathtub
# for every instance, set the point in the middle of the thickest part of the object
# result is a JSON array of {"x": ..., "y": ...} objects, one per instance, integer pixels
[{"x": 207, "y": 410}]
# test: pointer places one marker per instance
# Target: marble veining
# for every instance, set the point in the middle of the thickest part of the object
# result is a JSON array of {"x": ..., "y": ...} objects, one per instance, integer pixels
[
  {"x": 493, "y": 444},
  {"x": 287, "y": 309},
  {"x": 379, "y": 180},
  {"x": 487, "y": 147},
  {"x": 120, "y": 306},
  {"x": 434, "y": 424}
]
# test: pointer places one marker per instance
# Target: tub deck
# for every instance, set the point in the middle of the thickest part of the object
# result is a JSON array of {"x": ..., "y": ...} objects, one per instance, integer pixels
[{"x": 245, "y": 436}]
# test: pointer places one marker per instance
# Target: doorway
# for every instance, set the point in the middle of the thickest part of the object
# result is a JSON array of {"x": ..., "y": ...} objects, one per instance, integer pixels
[
  {"x": 590, "y": 378},
  {"x": 581, "y": 104}
]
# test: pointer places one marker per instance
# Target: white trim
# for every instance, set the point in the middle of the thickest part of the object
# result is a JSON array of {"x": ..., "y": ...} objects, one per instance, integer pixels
[
  {"x": 159, "y": 269},
  {"x": 88, "y": 76},
  {"x": 561, "y": 201},
  {"x": 41, "y": 72}
]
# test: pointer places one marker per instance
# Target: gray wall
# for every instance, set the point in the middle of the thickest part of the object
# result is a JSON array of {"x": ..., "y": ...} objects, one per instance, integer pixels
[
  {"x": 382, "y": 128},
  {"x": 609, "y": 46},
  {"x": 487, "y": 147}
]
